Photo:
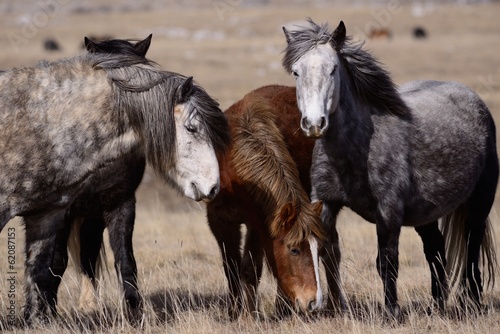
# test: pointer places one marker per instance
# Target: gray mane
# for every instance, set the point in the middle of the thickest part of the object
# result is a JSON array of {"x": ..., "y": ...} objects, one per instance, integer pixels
[
  {"x": 371, "y": 83},
  {"x": 148, "y": 96}
]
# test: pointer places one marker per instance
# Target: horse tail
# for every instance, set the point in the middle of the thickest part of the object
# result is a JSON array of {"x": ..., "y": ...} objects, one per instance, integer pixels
[
  {"x": 453, "y": 229},
  {"x": 74, "y": 247}
]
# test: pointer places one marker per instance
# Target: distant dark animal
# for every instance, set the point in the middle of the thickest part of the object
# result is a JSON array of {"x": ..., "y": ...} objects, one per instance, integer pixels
[
  {"x": 397, "y": 158},
  {"x": 419, "y": 33},
  {"x": 264, "y": 185},
  {"x": 64, "y": 124},
  {"x": 51, "y": 45}
]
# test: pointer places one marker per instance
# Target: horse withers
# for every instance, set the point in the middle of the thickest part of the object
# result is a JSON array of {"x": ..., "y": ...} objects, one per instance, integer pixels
[
  {"x": 264, "y": 185},
  {"x": 398, "y": 158},
  {"x": 64, "y": 123}
]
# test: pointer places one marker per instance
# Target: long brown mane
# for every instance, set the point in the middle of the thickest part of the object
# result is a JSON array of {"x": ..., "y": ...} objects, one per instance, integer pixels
[{"x": 262, "y": 161}]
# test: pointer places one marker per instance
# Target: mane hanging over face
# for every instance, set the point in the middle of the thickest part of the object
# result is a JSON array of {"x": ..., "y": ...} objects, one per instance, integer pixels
[
  {"x": 213, "y": 121},
  {"x": 148, "y": 96},
  {"x": 263, "y": 162}
]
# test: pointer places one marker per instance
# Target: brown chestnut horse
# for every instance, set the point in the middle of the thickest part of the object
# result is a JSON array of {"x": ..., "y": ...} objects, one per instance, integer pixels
[{"x": 265, "y": 185}]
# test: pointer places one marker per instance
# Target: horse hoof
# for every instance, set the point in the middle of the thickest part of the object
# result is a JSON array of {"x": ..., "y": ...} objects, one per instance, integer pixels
[{"x": 394, "y": 314}]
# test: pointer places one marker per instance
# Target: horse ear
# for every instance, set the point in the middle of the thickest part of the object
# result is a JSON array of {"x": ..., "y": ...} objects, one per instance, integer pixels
[
  {"x": 318, "y": 207},
  {"x": 288, "y": 35},
  {"x": 184, "y": 91},
  {"x": 288, "y": 214},
  {"x": 142, "y": 47},
  {"x": 339, "y": 36},
  {"x": 89, "y": 45}
]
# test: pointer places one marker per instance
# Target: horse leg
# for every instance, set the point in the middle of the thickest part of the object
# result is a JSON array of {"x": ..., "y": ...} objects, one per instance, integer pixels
[
  {"x": 433, "y": 243},
  {"x": 476, "y": 223},
  {"x": 120, "y": 223},
  {"x": 388, "y": 264},
  {"x": 226, "y": 231},
  {"x": 251, "y": 270},
  {"x": 331, "y": 258},
  {"x": 44, "y": 237},
  {"x": 90, "y": 239}
]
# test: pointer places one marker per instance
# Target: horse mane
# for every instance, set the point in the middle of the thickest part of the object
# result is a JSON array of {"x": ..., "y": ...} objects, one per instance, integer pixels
[
  {"x": 262, "y": 160},
  {"x": 148, "y": 96},
  {"x": 371, "y": 82}
]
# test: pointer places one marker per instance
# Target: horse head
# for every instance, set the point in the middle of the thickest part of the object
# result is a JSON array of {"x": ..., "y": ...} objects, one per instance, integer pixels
[
  {"x": 201, "y": 132},
  {"x": 294, "y": 258},
  {"x": 311, "y": 56}
]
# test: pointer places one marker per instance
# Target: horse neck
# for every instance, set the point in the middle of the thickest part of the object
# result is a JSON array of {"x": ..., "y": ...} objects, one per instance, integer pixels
[{"x": 351, "y": 125}]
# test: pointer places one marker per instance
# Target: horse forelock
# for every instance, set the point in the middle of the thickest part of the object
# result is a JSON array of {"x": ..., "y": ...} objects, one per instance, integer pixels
[
  {"x": 216, "y": 128},
  {"x": 263, "y": 162},
  {"x": 146, "y": 95},
  {"x": 303, "y": 40}
]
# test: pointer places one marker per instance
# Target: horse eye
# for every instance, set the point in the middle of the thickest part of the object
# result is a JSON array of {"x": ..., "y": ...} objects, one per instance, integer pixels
[
  {"x": 333, "y": 71},
  {"x": 295, "y": 251},
  {"x": 190, "y": 128},
  {"x": 295, "y": 74}
]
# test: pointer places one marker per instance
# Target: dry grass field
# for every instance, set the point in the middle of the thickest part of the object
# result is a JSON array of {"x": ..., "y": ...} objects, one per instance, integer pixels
[{"x": 231, "y": 50}]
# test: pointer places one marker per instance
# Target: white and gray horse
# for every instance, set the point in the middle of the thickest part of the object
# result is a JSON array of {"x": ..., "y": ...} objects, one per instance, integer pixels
[
  {"x": 397, "y": 158},
  {"x": 65, "y": 124}
]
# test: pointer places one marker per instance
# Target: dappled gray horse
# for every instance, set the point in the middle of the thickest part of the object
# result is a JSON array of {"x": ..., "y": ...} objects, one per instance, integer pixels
[
  {"x": 63, "y": 124},
  {"x": 112, "y": 207},
  {"x": 397, "y": 158}
]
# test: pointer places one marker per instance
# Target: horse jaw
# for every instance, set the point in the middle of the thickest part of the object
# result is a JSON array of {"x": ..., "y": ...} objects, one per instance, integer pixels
[
  {"x": 196, "y": 171},
  {"x": 318, "y": 85}
]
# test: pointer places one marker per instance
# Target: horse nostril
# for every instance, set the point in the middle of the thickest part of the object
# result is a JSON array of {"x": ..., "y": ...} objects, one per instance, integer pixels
[
  {"x": 304, "y": 124},
  {"x": 323, "y": 123},
  {"x": 311, "y": 306},
  {"x": 214, "y": 191}
]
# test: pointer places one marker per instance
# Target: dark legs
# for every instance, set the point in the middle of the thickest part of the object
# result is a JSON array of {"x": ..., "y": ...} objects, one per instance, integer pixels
[
  {"x": 331, "y": 258},
  {"x": 251, "y": 270},
  {"x": 90, "y": 234},
  {"x": 120, "y": 223},
  {"x": 227, "y": 233},
  {"x": 46, "y": 260},
  {"x": 433, "y": 242},
  {"x": 388, "y": 266}
]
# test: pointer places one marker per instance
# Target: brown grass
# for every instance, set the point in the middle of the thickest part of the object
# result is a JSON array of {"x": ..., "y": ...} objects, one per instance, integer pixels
[{"x": 180, "y": 272}]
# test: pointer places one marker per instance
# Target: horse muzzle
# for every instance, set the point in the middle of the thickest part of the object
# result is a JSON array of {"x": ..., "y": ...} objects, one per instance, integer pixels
[
  {"x": 204, "y": 195},
  {"x": 314, "y": 132}
]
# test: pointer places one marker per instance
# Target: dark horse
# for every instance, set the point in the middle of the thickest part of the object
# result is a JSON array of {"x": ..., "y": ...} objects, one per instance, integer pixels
[
  {"x": 397, "y": 158},
  {"x": 265, "y": 185},
  {"x": 65, "y": 126}
]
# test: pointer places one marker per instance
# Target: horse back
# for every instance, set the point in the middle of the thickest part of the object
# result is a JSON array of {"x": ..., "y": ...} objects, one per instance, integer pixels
[{"x": 283, "y": 105}]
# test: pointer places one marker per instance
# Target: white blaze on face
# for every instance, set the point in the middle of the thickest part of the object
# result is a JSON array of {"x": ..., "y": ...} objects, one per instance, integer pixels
[
  {"x": 313, "y": 243},
  {"x": 317, "y": 81},
  {"x": 197, "y": 170}
]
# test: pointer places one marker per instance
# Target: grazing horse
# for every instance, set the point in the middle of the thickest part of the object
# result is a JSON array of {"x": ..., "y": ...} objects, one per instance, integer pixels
[
  {"x": 262, "y": 188},
  {"x": 397, "y": 158},
  {"x": 64, "y": 124}
]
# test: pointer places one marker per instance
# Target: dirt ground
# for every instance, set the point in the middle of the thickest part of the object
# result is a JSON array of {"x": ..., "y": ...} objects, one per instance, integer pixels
[{"x": 232, "y": 48}]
